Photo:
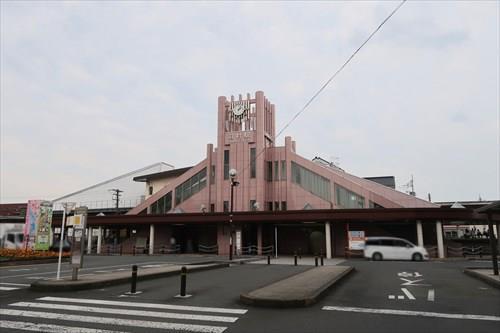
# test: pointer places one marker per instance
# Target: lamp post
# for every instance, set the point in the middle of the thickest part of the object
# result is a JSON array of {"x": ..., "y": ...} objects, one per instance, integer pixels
[
  {"x": 232, "y": 175},
  {"x": 67, "y": 208}
]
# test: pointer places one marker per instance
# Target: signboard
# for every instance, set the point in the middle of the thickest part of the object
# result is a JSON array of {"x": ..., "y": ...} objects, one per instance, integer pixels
[
  {"x": 356, "y": 240},
  {"x": 79, "y": 221},
  {"x": 238, "y": 241},
  {"x": 76, "y": 221}
]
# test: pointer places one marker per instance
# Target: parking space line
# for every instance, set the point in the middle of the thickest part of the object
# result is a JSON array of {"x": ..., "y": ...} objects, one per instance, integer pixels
[{"x": 412, "y": 313}]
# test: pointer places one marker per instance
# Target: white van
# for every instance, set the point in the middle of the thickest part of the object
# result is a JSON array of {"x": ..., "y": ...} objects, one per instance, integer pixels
[
  {"x": 391, "y": 248},
  {"x": 13, "y": 240}
]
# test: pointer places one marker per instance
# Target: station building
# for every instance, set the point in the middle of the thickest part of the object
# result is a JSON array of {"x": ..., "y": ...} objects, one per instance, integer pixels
[
  {"x": 271, "y": 184},
  {"x": 267, "y": 199}
]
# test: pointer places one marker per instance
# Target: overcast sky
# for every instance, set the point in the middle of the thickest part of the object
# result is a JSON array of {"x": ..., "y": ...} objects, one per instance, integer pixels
[{"x": 92, "y": 90}]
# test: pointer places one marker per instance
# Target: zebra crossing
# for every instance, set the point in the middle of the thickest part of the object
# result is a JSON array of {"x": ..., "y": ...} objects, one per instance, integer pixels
[
  {"x": 72, "y": 314},
  {"x": 4, "y": 286}
]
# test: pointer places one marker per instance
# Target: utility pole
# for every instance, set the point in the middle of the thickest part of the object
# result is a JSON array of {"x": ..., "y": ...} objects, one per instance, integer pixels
[{"x": 116, "y": 196}]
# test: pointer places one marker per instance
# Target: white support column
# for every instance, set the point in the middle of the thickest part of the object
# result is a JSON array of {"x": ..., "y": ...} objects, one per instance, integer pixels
[
  {"x": 439, "y": 234},
  {"x": 328, "y": 240},
  {"x": 89, "y": 240},
  {"x": 99, "y": 240},
  {"x": 420, "y": 234},
  {"x": 276, "y": 242},
  {"x": 151, "y": 238}
]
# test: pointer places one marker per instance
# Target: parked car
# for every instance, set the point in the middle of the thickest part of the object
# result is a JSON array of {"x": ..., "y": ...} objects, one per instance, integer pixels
[
  {"x": 12, "y": 240},
  {"x": 391, "y": 248}
]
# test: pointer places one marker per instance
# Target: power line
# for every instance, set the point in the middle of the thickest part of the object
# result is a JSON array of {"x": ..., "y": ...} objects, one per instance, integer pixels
[
  {"x": 332, "y": 77},
  {"x": 340, "y": 69}
]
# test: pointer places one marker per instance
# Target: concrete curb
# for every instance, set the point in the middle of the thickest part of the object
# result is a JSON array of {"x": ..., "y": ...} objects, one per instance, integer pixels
[
  {"x": 471, "y": 271},
  {"x": 68, "y": 285},
  {"x": 293, "y": 302}
]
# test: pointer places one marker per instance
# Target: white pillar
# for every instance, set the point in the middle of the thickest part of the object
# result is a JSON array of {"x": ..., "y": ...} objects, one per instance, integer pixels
[
  {"x": 276, "y": 242},
  {"x": 439, "y": 234},
  {"x": 89, "y": 240},
  {"x": 328, "y": 242},
  {"x": 99, "y": 240},
  {"x": 420, "y": 234},
  {"x": 151, "y": 238}
]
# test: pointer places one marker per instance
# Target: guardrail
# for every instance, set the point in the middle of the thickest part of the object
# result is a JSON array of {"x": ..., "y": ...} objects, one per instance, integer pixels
[
  {"x": 254, "y": 250},
  {"x": 213, "y": 249},
  {"x": 465, "y": 251}
]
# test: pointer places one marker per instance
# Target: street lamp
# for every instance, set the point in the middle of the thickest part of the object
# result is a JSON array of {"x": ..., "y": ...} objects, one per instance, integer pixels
[
  {"x": 232, "y": 175},
  {"x": 68, "y": 207}
]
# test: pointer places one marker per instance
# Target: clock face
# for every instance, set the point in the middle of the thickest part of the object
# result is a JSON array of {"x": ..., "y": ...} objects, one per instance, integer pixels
[{"x": 238, "y": 110}]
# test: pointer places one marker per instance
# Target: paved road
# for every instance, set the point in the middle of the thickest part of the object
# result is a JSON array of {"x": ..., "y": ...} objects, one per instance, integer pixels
[{"x": 459, "y": 304}]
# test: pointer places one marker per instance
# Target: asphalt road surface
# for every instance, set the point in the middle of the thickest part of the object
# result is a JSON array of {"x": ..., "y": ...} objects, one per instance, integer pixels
[{"x": 379, "y": 297}]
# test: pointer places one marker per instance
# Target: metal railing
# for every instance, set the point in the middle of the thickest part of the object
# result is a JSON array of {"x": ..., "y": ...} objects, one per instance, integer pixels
[
  {"x": 254, "y": 250},
  {"x": 213, "y": 249},
  {"x": 465, "y": 251}
]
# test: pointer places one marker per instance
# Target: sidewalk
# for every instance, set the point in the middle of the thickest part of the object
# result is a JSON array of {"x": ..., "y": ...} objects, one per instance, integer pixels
[
  {"x": 107, "y": 279},
  {"x": 300, "y": 290},
  {"x": 484, "y": 274}
]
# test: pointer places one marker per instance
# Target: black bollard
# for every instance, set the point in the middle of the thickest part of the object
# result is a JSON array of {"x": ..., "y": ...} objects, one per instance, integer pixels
[
  {"x": 269, "y": 260},
  {"x": 295, "y": 259},
  {"x": 183, "y": 280},
  {"x": 321, "y": 259},
  {"x": 134, "y": 279},
  {"x": 316, "y": 261}
]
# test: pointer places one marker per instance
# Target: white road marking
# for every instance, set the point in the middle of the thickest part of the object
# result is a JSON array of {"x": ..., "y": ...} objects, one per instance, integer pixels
[
  {"x": 39, "y": 327},
  {"x": 430, "y": 295},
  {"x": 37, "y": 278},
  {"x": 412, "y": 313},
  {"x": 102, "y": 271},
  {"x": 401, "y": 297},
  {"x": 169, "y": 315},
  {"x": 114, "y": 321},
  {"x": 143, "y": 305},
  {"x": 392, "y": 297},
  {"x": 19, "y": 269},
  {"x": 408, "y": 293},
  {"x": 412, "y": 282},
  {"x": 14, "y": 284},
  {"x": 8, "y": 288}
]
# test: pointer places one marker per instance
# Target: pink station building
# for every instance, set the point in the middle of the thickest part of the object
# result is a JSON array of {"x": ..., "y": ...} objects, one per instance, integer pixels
[{"x": 268, "y": 177}]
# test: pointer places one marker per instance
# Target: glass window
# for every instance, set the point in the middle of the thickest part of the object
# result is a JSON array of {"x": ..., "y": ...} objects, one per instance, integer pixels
[
  {"x": 150, "y": 190},
  {"x": 276, "y": 171},
  {"x": 276, "y": 205},
  {"x": 283, "y": 205},
  {"x": 226, "y": 164},
  {"x": 253, "y": 163},
  {"x": 387, "y": 242},
  {"x": 191, "y": 186},
  {"x": 252, "y": 205},
  {"x": 269, "y": 171},
  {"x": 270, "y": 205},
  {"x": 311, "y": 181},
  {"x": 283, "y": 170},
  {"x": 226, "y": 206},
  {"x": 348, "y": 199},
  {"x": 212, "y": 208},
  {"x": 212, "y": 175}
]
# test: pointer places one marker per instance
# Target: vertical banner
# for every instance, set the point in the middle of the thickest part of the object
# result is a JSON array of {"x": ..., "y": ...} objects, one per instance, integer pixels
[
  {"x": 32, "y": 212},
  {"x": 79, "y": 223},
  {"x": 43, "y": 226}
]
